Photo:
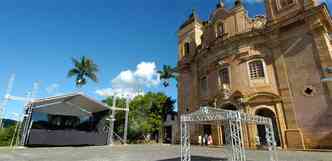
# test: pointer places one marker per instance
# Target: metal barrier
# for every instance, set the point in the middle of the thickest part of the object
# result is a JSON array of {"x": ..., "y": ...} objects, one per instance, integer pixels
[{"x": 233, "y": 121}]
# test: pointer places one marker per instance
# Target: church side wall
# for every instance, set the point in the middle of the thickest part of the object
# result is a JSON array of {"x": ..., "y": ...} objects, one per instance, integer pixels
[{"x": 309, "y": 97}]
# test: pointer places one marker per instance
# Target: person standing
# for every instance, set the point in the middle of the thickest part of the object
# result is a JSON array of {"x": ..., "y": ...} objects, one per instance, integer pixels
[
  {"x": 210, "y": 141},
  {"x": 199, "y": 140},
  {"x": 203, "y": 140},
  {"x": 206, "y": 139}
]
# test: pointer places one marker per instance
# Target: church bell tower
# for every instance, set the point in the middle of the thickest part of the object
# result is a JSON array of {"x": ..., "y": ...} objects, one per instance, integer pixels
[
  {"x": 189, "y": 35},
  {"x": 279, "y": 9}
]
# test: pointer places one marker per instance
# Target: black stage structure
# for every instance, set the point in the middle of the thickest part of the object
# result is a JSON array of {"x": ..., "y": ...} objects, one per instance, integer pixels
[{"x": 67, "y": 120}]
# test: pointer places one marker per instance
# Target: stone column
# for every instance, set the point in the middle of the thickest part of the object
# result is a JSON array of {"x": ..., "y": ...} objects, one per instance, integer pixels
[
  {"x": 252, "y": 130},
  {"x": 281, "y": 119}
]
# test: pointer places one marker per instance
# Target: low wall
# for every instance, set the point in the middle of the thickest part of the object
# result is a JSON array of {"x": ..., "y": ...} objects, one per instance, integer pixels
[{"x": 65, "y": 137}]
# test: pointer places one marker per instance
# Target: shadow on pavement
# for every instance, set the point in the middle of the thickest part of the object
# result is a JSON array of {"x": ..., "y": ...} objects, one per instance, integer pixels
[{"x": 197, "y": 158}]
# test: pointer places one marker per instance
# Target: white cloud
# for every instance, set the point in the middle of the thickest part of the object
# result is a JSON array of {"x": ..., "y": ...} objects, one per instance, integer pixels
[
  {"x": 52, "y": 89},
  {"x": 15, "y": 115},
  {"x": 146, "y": 70},
  {"x": 122, "y": 93},
  {"x": 106, "y": 92},
  {"x": 130, "y": 83}
]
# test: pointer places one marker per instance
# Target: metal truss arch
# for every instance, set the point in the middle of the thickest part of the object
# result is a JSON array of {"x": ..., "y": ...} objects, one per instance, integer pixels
[{"x": 233, "y": 121}]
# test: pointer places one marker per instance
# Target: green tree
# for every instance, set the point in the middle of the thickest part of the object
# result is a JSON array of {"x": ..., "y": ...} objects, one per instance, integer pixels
[
  {"x": 6, "y": 135},
  {"x": 166, "y": 74},
  {"x": 83, "y": 69},
  {"x": 146, "y": 115},
  {"x": 151, "y": 110}
]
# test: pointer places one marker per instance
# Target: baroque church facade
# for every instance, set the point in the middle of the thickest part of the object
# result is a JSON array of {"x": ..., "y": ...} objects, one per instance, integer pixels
[{"x": 272, "y": 66}]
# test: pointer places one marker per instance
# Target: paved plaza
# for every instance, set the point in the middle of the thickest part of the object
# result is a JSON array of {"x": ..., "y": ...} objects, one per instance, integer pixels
[{"x": 145, "y": 153}]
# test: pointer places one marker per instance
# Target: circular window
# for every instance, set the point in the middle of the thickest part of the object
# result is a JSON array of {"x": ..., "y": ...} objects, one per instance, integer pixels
[{"x": 309, "y": 91}]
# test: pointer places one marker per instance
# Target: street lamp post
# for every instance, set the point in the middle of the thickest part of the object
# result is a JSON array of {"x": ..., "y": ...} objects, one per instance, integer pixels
[
  {"x": 112, "y": 121},
  {"x": 126, "y": 122}
]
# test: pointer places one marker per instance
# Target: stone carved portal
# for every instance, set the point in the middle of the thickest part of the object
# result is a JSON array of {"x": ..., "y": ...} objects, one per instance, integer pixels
[{"x": 261, "y": 129}]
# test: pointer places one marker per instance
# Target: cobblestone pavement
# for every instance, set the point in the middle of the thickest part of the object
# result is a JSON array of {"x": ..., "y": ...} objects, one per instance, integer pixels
[{"x": 145, "y": 153}]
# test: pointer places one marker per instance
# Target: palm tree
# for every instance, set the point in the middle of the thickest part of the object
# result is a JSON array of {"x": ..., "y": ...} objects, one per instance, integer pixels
[
  {"x": 84, "y": 68},
  {"x": 167, "y": 73}
]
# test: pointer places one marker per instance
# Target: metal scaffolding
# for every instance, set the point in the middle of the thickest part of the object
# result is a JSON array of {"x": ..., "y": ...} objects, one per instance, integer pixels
[
  {"x": 114, "y": 109},
  {"x": 17, "y": 139},
  {"x": 5, "y": 100},
  {"x": 233, "y": 121}
]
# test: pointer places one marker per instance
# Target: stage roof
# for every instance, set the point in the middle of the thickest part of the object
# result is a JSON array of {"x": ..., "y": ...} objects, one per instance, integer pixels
[{"x": 76, "y": 104}]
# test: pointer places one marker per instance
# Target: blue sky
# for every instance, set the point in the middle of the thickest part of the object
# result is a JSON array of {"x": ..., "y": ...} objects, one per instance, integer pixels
[{"x": 39, "y": 37}]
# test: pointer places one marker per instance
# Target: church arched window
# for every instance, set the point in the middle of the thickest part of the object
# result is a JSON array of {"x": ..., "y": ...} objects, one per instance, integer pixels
[
  {"x": 219, "y": 29},
  {"x": 224, "y": 77},
  {"x": 256, "y": 69},
  {"x": 204, "y": 86},
  {"x": 186, "y": 48}
]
